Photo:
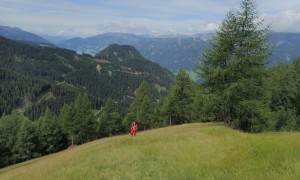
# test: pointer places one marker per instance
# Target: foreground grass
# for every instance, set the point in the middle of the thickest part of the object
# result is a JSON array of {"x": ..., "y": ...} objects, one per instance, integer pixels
[{"x": 193, "y": 151}]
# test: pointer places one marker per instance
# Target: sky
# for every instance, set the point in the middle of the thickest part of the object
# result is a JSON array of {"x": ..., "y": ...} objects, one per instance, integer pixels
[{"x": 83, "y": 18}]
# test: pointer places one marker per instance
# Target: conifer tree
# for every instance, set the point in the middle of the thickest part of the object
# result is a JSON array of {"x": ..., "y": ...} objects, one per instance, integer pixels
[
  {"x": 109, "y": 121},
  {"x": 135, "y": 112},
  {"x": 178, "y": 106},
  {"x": 9, "y": 127},
  {"x": 85, "y": 124},
  {"x": 145, "y": 113},
  {"x": 27, "y": 141},
  {"x": 203, "y": 106},
  {"x": 51, "y": 136},
  {"x": 159, "y": 119},
  {"x": 234, "y": 67},
  {"x": 78, "y": 120},
  {"x": 66, "y": 118}
]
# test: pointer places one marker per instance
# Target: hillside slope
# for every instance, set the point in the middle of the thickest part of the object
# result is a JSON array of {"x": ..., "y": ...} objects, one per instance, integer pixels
[
  {"x": 62, "y": 73},
  {"x": 191, "y": 151}
]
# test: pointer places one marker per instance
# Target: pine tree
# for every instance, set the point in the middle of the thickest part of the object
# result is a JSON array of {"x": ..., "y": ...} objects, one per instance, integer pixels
[
  {"x": 159, "y": 118},
  {"x": 135, "y": 111},
  {"x": 85, "y": 124},
  {"x": 203, "y": 106},
  {"x": 234, "y": 67},
  {"x": 9, "y": 127},
  {"x": 27, "y": 141},
  {"x": 66, "y": 117},
  {"x": 109, "y": 121},
  {"x": 51, "y": 135},
  {"x": 78, "y": 120},
  {"x": 145, "y": 113},
  {"x": 178, "y": 106}
]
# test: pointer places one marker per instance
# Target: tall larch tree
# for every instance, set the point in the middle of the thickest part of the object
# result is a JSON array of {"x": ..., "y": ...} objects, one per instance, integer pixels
[
  {"x": 9, "y": 127},
  {"x": 85, "y": 126},
  {"x": 27, "y": 141},
  {"x": 135, "y": 110},
  {"x": 66, "y": 119},
  {"x": 78, "y": 120},
  {"x": 109, "y": 120},
  {"x": 52, "y": 138},
  {"x": 179, "y": 104},
  {"x": 234, "y": 68}
]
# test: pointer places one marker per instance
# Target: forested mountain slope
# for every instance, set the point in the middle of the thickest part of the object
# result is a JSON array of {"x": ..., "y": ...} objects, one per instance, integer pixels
[{"x": 33, "y": 78}]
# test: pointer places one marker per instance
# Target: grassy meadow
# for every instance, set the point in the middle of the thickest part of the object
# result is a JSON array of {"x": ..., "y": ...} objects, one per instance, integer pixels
[{"x": 191, "y": 151}]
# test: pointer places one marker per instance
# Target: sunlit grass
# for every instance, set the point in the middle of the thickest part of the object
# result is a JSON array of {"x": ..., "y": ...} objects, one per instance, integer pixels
[{"x": 192, "y": 151}]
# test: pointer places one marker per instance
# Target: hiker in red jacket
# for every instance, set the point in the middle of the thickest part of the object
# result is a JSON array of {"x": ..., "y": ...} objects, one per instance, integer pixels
[{"x": 134, "y": 128}]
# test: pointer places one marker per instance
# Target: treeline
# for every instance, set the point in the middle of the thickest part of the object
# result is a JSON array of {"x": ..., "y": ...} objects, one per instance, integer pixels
[
  {"x": 22, "y": 139},
  {"x": 78, "y": 122},
  {"x": 284, "y": 87}
]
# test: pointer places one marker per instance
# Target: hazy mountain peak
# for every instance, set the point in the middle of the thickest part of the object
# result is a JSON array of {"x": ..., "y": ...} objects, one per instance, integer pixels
[{"x": 20, "y": 35}]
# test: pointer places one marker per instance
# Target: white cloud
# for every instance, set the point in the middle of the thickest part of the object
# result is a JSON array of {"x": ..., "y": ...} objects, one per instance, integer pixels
[
  {"x": 287, "y": 21},
  {"x": 124, "y": 26},
  {"x": 85, "y": 18},
  {"x": 211, "y": 27}
]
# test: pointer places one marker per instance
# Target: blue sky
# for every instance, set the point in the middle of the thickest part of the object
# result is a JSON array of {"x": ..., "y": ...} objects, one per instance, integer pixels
[{"x": 156, "y": 17}]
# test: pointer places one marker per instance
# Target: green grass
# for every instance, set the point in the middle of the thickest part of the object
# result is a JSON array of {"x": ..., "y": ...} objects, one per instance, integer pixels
[{"x": 192, "y": 151}]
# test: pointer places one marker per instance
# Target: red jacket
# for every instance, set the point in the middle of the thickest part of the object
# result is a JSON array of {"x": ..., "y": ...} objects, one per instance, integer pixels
[{"x": 134, "y": 127}]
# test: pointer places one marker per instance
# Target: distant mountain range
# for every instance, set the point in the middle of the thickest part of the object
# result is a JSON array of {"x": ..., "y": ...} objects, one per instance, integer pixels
[
  {"x": 170, "y": 52},
  {"x": 174, "y": 51},
  {"x": 18, "y": 34},
  {"x": 286, "y": 47}
]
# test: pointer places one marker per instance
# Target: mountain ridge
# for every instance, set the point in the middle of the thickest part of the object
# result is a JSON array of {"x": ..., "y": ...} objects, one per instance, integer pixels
[
  {"x": 18, "y": 34},
  {"x": 178, "y": 51},
  {"x": 174, "y": 52},
  {"x": 52, "y": 69}
]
